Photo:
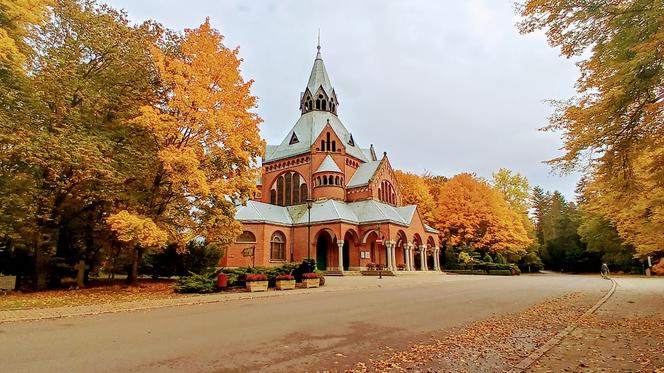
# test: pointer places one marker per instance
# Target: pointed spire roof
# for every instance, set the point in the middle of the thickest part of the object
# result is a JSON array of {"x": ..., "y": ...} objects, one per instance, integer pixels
[
  {"x": 328, "y": 165},
  {"x": 319, "y": 77}
]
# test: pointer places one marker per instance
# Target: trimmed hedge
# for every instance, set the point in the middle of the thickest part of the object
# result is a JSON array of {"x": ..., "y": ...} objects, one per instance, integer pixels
[
  {"x": 466, "y": 271},
  {"x": 500, "y": 272}
]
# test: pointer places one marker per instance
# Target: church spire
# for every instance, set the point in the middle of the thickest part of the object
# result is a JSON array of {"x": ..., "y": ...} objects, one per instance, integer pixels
[{"x": 319, "y": 94}]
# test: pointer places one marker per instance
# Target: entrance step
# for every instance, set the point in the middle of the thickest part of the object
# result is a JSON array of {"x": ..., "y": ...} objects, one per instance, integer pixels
[
  {"x": 377, "y": 273},
  {"x": 334, "y": 273},
  {"x": 352, "y": 273}
]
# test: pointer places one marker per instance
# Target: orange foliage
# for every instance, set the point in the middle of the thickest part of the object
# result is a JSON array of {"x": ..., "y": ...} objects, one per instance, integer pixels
[
  {"x": 414, "y": 191},
  {"x": 472, "y": 213}
]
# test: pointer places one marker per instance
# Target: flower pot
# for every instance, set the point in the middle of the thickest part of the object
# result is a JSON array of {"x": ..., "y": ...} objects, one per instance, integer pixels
[
  {"x": 285, "y": 284},
  {"x": 222, "y": 281},
  {"x": 311, "y": 282},
  {"x": 254, "y": 286}
]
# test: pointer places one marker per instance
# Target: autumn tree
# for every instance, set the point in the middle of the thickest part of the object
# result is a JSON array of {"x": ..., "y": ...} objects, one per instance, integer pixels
[
  {"x": 206, "y": 142},
  {"x": 614, "y": 130},
  {"x": 414, "y": 191},
  {"x": 601, "y": 237},
  {"x": 473, "y": 214}
]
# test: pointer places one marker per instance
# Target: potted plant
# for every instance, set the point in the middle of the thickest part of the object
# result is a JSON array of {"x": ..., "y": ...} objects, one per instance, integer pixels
[
  {"x": 310, "y": 280},
  {"x": 285, "y": 282},
  {"x": 256, "y": 282}
]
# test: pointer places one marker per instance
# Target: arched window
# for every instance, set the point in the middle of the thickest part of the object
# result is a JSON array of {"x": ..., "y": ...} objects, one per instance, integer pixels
[
  {"x": 327, "y": 143},
  {"x": 380, "y": 194},
  {"x": 285, "y": 190},
  {"x": 324, "y": 180},
  {"x": 334, "y": 146},
  {"x": 322, "y": 145},
  {"x": 296, "y": 189},
  {"x": 323, "y": 104},
  {"x": 304, "y": 192},
  {"x": 318, "y": 181},
  {"x": 246, "y": 237},
  {"x": 337, "y": 181},
  {"x": 317, "y": 104},
  {"x": 289, "y": 189},
  {"x": 280, "y": 191},
  {"x": 278, "y": 246}
]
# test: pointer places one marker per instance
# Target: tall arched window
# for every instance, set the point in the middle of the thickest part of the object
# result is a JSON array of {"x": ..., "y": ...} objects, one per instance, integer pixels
[
  {"x": 334, "y": 146},
  {"x": 327, "y": 143},
  {"x": 289, "y": 190},
  {"x": 286, "y": 189},
  {"x": 304, "y": 193},
  {"x": 278, "y": 246},
  {"x": 296, "y": 189},
  {"x": 280, "y": 191}
]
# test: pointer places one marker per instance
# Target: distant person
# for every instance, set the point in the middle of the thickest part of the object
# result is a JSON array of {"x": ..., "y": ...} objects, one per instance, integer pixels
[{"x": 605, "y": 270}]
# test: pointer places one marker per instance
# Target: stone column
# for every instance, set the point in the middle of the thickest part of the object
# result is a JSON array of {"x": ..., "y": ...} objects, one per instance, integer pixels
[
  {"x": 340, "y": 244},
  {"x": 423, "y": 257},
  {"x": 436, "y": 259},
  {"x": 407, "y": 256},
  {"x": 412, "y": 257},
  {"x": 394, "y": 256}
]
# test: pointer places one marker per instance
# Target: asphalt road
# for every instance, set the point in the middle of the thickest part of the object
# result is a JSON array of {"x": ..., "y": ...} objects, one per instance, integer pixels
[{"x": 299, "y": 332}]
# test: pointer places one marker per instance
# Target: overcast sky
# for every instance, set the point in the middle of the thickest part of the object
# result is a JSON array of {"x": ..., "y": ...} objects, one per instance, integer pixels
[{"x": 443, "y": 86}]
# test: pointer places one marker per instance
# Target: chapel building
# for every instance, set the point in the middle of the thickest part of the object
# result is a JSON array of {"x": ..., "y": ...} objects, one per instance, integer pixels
[{"x": 321, "y": 195}]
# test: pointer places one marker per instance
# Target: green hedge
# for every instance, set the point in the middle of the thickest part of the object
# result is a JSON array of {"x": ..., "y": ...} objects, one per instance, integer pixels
[
  {"x": 500, "y": 272},
  {"x": 466, "y": 271}
]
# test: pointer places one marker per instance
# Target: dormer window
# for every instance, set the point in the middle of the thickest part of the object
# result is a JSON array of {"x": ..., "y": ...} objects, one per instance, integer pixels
[
  {"x": 351, "y": 142},
  {"x": 293, "y": 139}
]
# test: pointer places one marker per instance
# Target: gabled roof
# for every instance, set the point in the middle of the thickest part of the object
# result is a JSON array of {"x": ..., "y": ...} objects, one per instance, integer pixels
[
  {"x": 363, "y": 174},
  {"x": 307, "y": 129},
  {"x": 328, "y": 165},
  {"x": 430, "y": 229},
  {"x": 259, "y": 212},
  {"x": 319, "y": 77},
  {"x": 359, "y": 212}
]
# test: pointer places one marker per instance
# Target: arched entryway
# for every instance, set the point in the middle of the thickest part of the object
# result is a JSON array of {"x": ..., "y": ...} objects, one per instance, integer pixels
[
  {"x": 431, "y": 264},
  {"x": 377, "y": 250},
  {"x": 417, "y": 242},
  {"x": 400, "y": 250},
  {"x": 323, "y": 250},
  {"x": 351, "y": 251}
]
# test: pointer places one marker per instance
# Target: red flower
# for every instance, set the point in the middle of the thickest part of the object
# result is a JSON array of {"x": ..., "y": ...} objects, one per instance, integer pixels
[
  {"x": 310, "y": 275},
  {"x": 255, "y": 277},
  {"x": 285, "y": 278}
]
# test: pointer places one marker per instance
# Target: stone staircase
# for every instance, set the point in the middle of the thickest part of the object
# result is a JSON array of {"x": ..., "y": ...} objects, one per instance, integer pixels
[{"x": 344, "y": 273}]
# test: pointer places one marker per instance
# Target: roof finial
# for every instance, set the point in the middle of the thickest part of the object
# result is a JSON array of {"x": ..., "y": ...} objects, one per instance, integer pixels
[{"x": 318, "y": 46}]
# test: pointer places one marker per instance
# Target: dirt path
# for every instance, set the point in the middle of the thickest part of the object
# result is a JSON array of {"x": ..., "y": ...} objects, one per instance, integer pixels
[{"x": 625, "y": 335}]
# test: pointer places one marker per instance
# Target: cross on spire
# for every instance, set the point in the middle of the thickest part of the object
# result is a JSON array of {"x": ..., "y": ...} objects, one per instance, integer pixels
[{"x": 318, "y": 46}]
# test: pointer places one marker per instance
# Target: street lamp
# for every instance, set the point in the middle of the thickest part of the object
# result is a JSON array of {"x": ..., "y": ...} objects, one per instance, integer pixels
[{"x": 310, "y": 203}]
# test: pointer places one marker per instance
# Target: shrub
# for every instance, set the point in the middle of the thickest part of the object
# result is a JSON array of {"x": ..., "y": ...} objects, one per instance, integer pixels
[
  {"x": 465, "y": 258},
  {"x": 487, "y": 258},
  {"x": 500, "y": 259},
  {"x": 255, "y": 277},
  {"x": 371, "y": 266},
  {"x": 285, "y": 278},
  {"x": 501, "y": 272},
  {"x": 195, "y": 283},
  {"x": 310, "y": 275}
]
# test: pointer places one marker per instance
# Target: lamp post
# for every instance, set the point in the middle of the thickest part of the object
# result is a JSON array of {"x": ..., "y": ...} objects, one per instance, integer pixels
[{"x": 310, "y": 203}]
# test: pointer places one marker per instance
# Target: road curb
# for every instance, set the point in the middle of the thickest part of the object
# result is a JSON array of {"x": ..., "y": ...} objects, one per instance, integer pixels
[{"x": 555, "y": 340}]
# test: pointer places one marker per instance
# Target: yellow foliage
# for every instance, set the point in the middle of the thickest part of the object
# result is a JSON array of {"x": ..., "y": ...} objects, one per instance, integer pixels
[
  {"x": 136, "y": 230},
  {"x": 16, "y": 17},
  {"x": 206, "y": 137}
]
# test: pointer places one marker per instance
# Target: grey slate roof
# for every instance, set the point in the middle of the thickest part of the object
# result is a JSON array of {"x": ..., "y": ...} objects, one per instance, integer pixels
[
  {"x": 429, "y": 229},
  {"x": 308, "y": 128},
  {"x": 328, "y": 165},
  {"x": 363, "y": 174},
  {"x": 319, "y": 77},
  {"x": 359, "y": 212}
]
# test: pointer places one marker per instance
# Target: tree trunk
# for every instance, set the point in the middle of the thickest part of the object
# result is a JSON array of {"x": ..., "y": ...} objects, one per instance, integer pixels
[{"x": 132, "y": 279}]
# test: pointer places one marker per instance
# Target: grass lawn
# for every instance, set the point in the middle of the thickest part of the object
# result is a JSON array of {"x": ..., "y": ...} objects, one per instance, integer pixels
[{"x": 98, "y": 292}]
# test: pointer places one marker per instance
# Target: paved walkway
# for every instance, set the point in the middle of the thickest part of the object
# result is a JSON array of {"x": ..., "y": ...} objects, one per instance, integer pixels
[{"x": 332, "y": 284}]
